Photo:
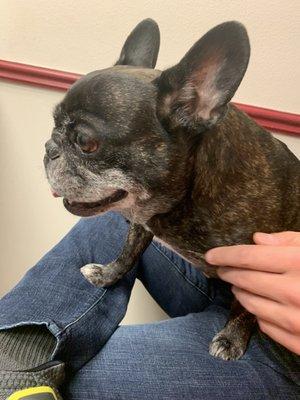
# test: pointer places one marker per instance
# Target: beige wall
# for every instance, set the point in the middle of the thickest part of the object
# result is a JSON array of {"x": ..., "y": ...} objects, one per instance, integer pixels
[
  {"x": 83, "y": 35},
  {"x": 80, "y": 36}
]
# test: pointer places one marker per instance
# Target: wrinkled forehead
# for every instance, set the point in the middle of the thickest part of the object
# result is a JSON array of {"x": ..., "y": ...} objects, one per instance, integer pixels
[{"x": 112, "y": 92}]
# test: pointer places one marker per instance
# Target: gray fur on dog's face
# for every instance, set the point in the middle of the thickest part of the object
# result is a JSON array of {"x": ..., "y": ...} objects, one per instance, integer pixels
[
  {"x": 133, "y": 164},
  {"x": 103, "y": 108}
]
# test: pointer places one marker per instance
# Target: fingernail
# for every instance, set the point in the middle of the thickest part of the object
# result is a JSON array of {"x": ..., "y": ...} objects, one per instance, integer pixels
[{"x": 209, "y": 257}]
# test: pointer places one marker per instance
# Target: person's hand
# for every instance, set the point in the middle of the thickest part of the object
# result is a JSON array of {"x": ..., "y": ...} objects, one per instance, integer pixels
[{"x": 266, "y": 281}]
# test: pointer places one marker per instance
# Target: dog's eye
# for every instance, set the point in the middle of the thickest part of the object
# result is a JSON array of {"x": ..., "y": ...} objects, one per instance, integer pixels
[{"x": 86, "y": 143}]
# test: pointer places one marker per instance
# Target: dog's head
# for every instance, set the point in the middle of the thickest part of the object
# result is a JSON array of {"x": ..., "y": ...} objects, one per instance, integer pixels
[{"x": 123, "y": 135}]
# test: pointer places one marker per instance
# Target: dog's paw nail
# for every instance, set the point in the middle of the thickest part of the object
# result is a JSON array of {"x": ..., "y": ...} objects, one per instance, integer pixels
[
  {"x": 98, "y": 275},
  {"x": 226, "y": 348},
  {"x": 92, "y": 273}
]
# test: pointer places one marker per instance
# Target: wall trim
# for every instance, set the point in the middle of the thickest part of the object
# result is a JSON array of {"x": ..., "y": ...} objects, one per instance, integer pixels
[
  {"x": 37, "y": 76},
  {"x": 273, "y": 120}
]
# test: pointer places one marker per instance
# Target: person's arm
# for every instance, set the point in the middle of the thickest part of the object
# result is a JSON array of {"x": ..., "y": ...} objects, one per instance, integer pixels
[{"x": 266, "y": 281}]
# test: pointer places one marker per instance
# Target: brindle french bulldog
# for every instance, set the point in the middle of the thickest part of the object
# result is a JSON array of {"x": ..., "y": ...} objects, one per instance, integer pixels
[{"x": 168, "y": 151}]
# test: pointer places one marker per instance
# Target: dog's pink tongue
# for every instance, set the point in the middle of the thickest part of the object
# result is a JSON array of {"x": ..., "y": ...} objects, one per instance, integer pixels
[{"x": 55, "y": 194}]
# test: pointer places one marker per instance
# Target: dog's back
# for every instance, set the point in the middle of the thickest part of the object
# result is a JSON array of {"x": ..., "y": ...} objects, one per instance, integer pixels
[{"x": 272, "y": 171}]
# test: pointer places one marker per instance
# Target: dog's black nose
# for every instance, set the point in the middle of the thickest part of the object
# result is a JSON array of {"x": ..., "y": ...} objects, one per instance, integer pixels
[{"x": 52, "y": 150}]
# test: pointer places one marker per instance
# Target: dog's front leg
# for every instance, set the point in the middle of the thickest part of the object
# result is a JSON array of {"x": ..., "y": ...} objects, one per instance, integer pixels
[
  {"x": 137, "y": 241},
  {"x": 231, "y": 342}
]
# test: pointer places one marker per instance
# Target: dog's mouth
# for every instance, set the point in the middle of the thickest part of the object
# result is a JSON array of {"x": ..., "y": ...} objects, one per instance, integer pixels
[{"x": 85, "y": 209}]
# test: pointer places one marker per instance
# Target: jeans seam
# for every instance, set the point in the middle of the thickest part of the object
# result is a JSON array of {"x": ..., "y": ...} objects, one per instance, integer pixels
[
  {"x": 83, "y": 314},
  {"x": 180, "y": 272}
]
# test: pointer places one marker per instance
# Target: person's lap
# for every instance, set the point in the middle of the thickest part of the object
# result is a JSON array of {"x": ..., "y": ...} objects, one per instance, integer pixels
[
  {"x": 169, "y": 360},
  {"x": 165, "y": 360}
]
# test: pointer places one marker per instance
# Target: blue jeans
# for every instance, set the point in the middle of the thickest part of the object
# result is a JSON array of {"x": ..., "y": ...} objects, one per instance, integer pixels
[{"x": 165, "y": 360}]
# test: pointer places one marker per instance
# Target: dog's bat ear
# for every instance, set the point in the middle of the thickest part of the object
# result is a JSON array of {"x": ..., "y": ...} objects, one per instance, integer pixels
[
  {"x": 195, "y": 92},
  {"x": 142, "y": 45}
]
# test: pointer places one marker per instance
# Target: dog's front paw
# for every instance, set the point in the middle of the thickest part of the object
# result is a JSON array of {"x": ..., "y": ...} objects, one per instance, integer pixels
[
  {"x": 227, "y": 347},
  {"x": 99, "y": 275}
]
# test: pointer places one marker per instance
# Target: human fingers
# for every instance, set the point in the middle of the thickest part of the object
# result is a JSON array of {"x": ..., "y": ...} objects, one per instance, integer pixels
[
  {"x": 288, "y": 238},
  {"x": 287, "y": 339},
  {"x": 277, "y": 259},
  {"x": 286, "y": 317},
  {"x": 261, "y": 283}
]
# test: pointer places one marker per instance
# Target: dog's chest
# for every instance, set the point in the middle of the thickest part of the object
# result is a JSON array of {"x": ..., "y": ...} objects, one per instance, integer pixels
[
  {"x": 186, "y": 242},
  {"x": 194, "y": 258}
]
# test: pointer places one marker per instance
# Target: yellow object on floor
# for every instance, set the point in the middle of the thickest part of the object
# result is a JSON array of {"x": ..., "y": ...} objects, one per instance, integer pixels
[{"x": 35, "y": 393}]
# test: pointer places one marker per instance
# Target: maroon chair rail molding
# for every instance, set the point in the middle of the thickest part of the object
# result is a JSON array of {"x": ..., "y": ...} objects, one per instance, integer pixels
[
  {"x": 273, "y": 120},
  {"x": 37, "y": 76}
]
